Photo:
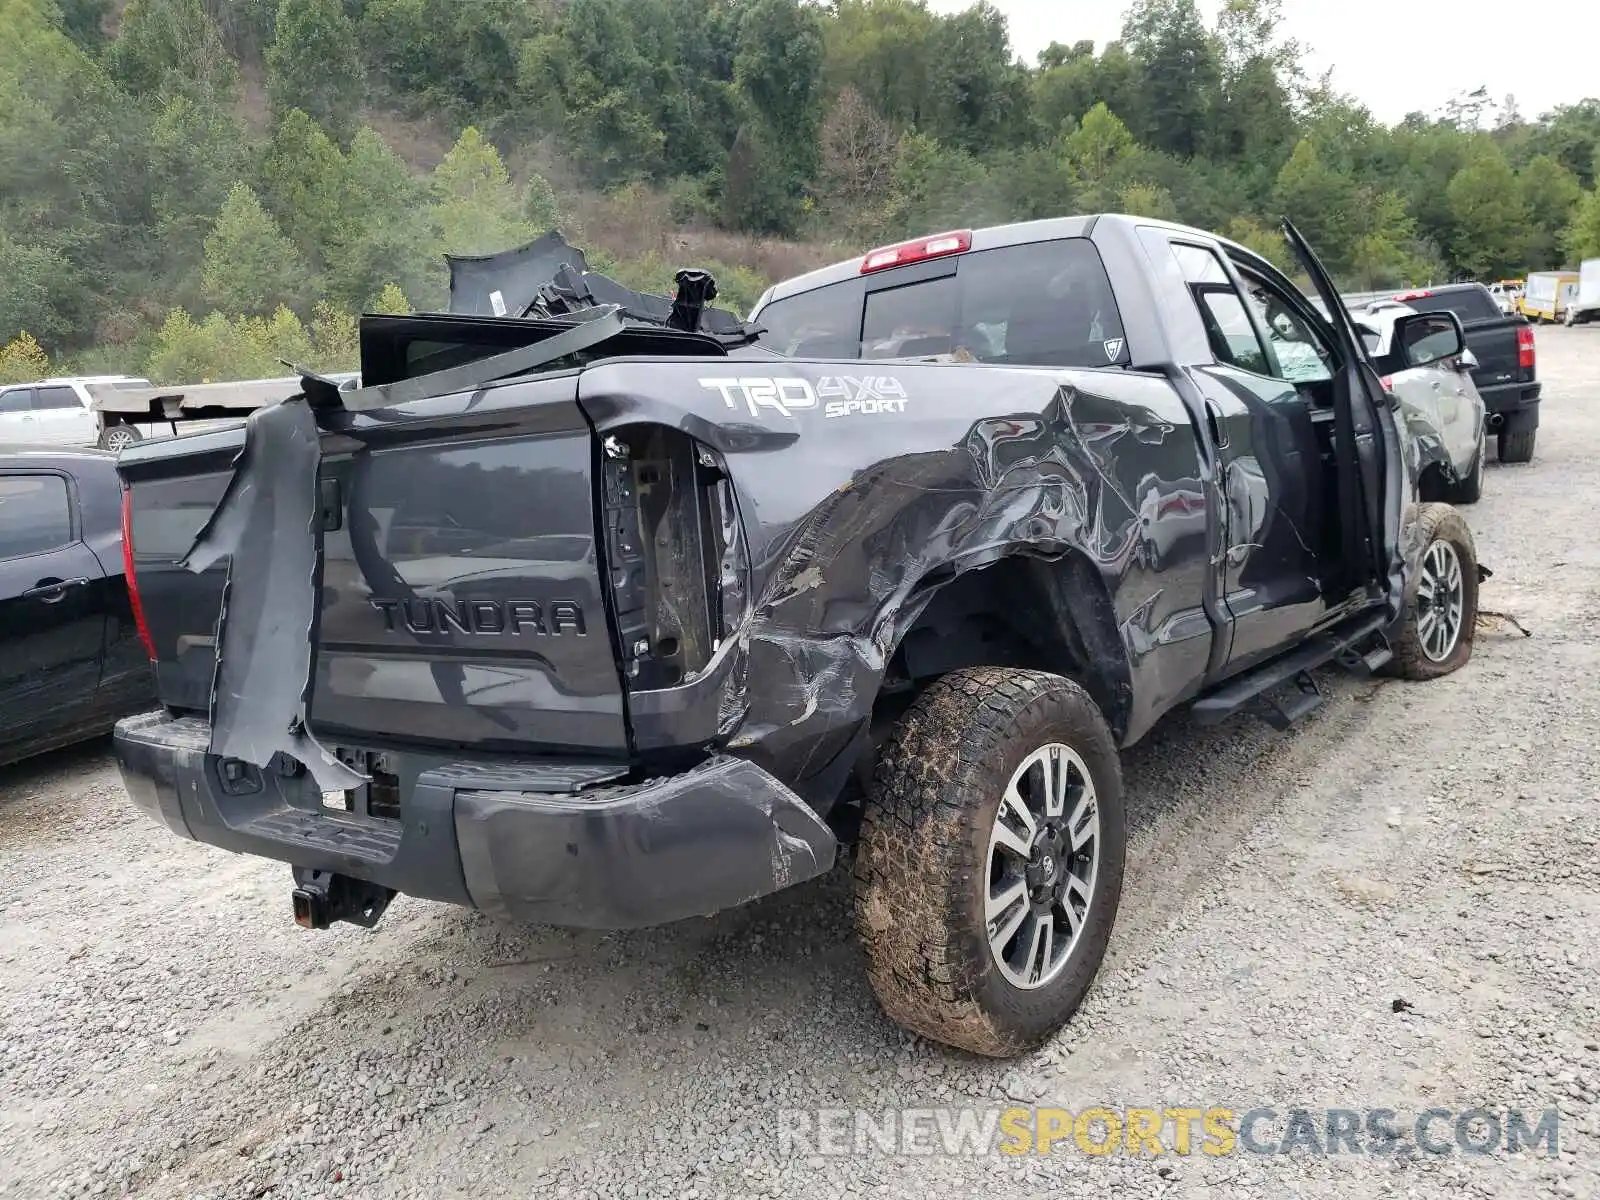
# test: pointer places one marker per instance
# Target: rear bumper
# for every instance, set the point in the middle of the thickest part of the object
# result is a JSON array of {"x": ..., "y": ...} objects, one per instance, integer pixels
[
  {"x": 550, "y": 842},
  {"x": 1503, "y": 399}
]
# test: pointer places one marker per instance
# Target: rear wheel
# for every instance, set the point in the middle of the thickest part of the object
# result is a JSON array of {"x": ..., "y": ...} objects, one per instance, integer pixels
[
  {"x": 118, "y": 437},
  {"x": 1441, "y": 599},
  {"x": 990, "y": 863},
  {"x": 1516, "y": 446}
]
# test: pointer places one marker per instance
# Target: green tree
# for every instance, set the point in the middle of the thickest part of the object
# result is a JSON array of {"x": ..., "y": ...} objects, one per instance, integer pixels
[
  {"x": 30, "y": 290},
  {"x": 1182, "y": 73},
  {"x": 1254, "y": 119},
  {"x": 380, "y": 231},
  {"x": 1147, "y": 200},
  {"x": 1551, "y": 194},
  {"x": 196, "y": 152},
  {"x": 391, "y": 300},
  {"x": 977, "y": 96},
  {"x": 171, "y": 47},
  {"x": 777, "y": 73},
  {"x": 335, "y": 339},
  {"x": 219, "y": 349},
  {"x": 539, "y": 203},
  {"x": 885, "y": 52},
  {"x": 302, "y": 174},
  {"x": 1321, "y": 201},
  {"x": 1489, "y": 217},
  {"x": 757, "y": 184},
  {"x": 250, "y": 267},
  {"x": 23, "y": 360},
  {"x": 476, "y": 209},
  {"x": 315, "y": 65},
  {"x": 1384, "y": 251},
  {"x": 1100, "y": 144},
  {"x": 1582, "y": 238},
  {"x": 935, "y": 187},
  {"x": 1270, "y": 244}
]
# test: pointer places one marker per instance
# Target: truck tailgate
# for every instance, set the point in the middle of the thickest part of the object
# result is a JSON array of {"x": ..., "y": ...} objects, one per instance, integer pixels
[
  {"x": 1494, "y": 344},
  {"x": 458, "y": 597}
]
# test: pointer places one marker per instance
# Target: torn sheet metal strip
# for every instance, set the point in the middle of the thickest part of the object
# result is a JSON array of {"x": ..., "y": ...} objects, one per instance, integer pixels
[
  {"x": 475, "y": 374},
  {"x": 265, "y": 525}
]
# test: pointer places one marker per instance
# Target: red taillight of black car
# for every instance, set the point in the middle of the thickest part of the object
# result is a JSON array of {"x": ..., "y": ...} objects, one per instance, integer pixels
[
  {"x": 1525, "y": 353},
  {"x": 129, "y": 575}
]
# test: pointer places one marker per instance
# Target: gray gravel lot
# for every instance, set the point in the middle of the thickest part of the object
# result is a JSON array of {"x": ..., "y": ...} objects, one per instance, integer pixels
[{"x": 166, "y": 1030}]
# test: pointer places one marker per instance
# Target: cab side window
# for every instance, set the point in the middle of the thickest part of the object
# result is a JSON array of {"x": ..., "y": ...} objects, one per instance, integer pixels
[
  {"x": 1233, "y": 338},
  {"x": 1298, "y": 353},
  {"x": 16, "y": 400},
  {"x": 55, "y": 397},
  {"x": 35, "y": 515}
]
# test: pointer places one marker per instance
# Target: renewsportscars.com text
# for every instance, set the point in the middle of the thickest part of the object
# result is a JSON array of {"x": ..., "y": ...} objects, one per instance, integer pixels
[{"x": 1180, "y": 1130}]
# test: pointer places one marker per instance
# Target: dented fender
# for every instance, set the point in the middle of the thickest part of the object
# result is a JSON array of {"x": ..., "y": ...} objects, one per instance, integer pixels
[{"x": 865, "y": 490}]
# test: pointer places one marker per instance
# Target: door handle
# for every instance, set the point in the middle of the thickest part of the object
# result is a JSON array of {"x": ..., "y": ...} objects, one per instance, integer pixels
[{"x": 52, "y": 591}]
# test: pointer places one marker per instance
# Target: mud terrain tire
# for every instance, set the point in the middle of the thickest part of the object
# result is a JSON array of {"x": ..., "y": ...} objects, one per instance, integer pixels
[
  {"x": 1418, "y": 654},
  {"x": 926, "y": 861}
]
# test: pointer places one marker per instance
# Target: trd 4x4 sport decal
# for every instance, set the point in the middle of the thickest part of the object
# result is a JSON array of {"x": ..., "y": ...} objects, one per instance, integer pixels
[{"x": 836, "y": 395}]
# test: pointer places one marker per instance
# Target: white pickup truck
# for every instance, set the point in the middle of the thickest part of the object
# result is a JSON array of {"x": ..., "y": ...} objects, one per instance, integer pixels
[{"x": 115, "y": 411}]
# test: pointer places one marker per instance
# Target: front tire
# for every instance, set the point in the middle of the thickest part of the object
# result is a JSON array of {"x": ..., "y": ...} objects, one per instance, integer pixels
[
  {"x": 1441, "y": 599},
  {"x": 990, "y": 864},
  {"x": 1469, "y": 489}
]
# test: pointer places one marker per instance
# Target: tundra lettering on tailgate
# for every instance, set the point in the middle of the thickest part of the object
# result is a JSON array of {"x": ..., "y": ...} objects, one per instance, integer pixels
[{"x": 552, "y": 618}]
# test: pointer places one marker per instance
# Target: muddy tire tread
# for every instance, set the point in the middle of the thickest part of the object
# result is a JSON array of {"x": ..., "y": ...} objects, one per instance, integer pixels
[
  {"x": 918, "y": 863},
  {"x": 1439, "y": 521}
]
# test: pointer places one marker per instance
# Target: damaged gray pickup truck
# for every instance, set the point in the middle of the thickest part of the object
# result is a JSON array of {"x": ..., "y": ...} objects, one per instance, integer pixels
[{"x": 609, "y": 610}]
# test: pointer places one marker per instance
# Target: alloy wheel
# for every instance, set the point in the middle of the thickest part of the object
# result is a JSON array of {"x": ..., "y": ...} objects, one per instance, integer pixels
[
  {"x": 1441, "y": 601},
  {"x": 1044, "y": 851}
]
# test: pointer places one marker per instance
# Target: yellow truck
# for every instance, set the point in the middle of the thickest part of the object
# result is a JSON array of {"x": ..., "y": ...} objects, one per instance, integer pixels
[{"x": 1547, "y": 295}]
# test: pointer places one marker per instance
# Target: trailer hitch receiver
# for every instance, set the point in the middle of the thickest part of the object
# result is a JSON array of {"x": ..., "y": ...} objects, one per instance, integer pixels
[{"x": 322, "y": 898}]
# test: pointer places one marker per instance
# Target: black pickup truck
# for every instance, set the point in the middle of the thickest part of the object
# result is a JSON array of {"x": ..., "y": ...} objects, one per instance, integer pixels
[
  {"x": 1507, "y": 372},
  {"x": 608, "y": 618}
]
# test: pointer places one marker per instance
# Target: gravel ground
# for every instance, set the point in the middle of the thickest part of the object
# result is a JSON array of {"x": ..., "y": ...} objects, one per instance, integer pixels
[{"x": 166, "y": 1030}]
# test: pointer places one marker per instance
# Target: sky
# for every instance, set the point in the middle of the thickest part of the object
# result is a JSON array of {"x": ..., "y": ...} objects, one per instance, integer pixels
[{"x": 1395, "y": 57}]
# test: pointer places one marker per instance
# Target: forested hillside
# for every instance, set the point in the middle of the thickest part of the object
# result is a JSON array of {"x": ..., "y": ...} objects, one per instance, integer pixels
[{"x": 199, "y": 188}]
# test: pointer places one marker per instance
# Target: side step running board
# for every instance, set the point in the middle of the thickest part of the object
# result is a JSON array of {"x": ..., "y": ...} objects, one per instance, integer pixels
[{"x": 1360, "y": 648}]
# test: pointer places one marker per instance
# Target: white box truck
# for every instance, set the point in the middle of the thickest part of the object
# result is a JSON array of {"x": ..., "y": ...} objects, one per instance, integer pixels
[{"x": 1585, "y": 306}]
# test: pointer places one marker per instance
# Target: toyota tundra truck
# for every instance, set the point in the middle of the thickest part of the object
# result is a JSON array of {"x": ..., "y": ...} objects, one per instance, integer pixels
[{"x": 606, "y": 613}]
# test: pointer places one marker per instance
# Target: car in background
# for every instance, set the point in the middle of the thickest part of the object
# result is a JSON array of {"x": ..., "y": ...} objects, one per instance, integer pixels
[
  {"x": 1585, "y": 306},
  {"x": 1506, "y": 293},
  {"x": 56, "y": 411},
  {"x": 1506, "y": 374},
  {"x": 71, "y": 659},
  {"x": 114, "y": 412},
  {"x": 1548, "y": 293},
  {"x": 1441, "y": 403}
]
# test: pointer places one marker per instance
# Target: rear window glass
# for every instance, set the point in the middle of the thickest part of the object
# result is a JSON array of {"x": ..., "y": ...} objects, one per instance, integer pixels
[
  {"x": 1470, "y": 304},
  {"x": 1045, "y": 304},
  {"x": 168, "y": 514}
]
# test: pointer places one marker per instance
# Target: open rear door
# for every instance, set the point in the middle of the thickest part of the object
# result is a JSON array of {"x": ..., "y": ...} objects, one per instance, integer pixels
[{"x": 1371, "y": 473}]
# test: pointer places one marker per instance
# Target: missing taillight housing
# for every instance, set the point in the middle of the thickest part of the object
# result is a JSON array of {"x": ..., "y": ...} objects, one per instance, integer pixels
[
  {"x": 674, "y": 553},
  {"x": 131, "y": 577}
]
